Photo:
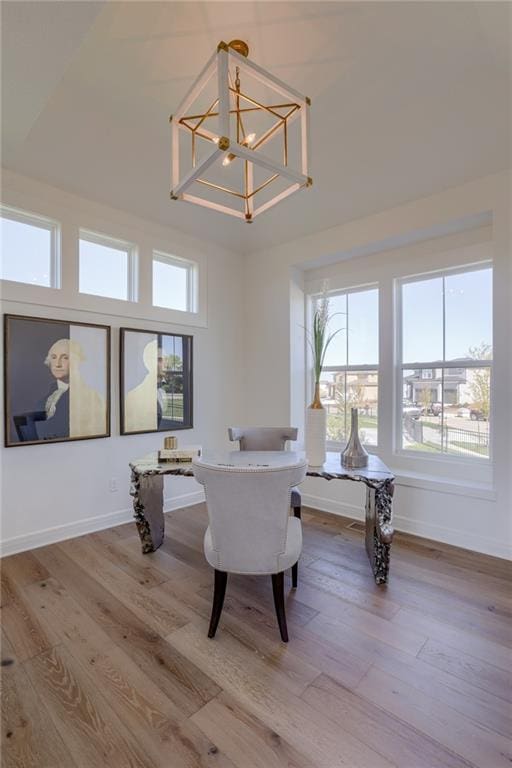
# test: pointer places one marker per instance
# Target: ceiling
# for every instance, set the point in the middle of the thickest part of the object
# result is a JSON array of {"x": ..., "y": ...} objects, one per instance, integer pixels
[{"x": 408, "y": 98}]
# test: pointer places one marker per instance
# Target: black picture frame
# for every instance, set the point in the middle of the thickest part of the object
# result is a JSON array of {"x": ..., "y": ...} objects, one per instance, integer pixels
[
  {"x": 47, "y": 400},
  {"x": 144, "y": 405}
]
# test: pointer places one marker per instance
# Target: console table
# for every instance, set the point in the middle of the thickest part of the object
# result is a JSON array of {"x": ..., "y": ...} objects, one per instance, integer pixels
[{"x": 147, "y": 486}]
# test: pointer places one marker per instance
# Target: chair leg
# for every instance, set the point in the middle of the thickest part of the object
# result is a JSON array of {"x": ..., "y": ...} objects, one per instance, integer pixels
[
  {"x": 295, "y": 574},
  {"x": 221, "y": 579},
  {"x": 278, "y": 590},
  {"x": 296, "y": 512}
]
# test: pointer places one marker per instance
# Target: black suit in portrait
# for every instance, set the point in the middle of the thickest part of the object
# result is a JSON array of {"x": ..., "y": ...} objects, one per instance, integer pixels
[{"x": 58, "y": 424}]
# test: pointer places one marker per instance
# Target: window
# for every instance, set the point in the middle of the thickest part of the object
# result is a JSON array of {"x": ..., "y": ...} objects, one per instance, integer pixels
[
  {"x": 30, "y": 247},
  {"x": 174, "y": 283},
  {"x": 446, "y": 363},
  {"x": 107, "y": 267},
  {"x": 350, "y": 375}
]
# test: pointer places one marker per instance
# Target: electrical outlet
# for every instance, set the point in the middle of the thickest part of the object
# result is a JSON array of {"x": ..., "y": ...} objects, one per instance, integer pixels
[{"x": 113, "y": 485}]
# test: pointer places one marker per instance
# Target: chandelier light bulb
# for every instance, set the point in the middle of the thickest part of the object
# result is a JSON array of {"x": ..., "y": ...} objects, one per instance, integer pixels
[{"x": 245, "y": 143}]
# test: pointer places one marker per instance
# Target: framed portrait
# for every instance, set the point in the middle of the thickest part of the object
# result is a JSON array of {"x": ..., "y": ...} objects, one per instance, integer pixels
[
  {"x": 156, "y": 381},
  {"x": 56, "y": 380}
]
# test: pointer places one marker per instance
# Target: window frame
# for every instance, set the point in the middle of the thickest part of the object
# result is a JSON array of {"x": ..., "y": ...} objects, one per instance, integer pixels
[
  {"x": 312, "y": 297},
  {"x": 132, "y": 252},
  {"x": 188, "y": 381},
  {"x": 40, "y": 222},
  {"x": 400, "y": 366},
  {"x": 191, "y": 268}
]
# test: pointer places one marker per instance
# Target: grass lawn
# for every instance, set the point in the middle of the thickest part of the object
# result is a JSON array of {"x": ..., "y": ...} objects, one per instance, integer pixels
[
  {"x": 483, "y": 450},
  {"x": 427, "y": 447}
]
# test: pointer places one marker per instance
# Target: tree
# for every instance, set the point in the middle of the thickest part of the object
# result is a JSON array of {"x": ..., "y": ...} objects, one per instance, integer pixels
[
  {"x": 426, "y": 398},
  {"x": 479, "y": 379},
  {"x": 173, "y": 362}
]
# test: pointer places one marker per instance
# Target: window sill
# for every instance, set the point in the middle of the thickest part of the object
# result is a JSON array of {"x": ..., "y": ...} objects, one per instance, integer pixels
[
  {"x": 22, "y": 293},
  {"x": 473, "y": 489},
  {"x": 445, "y": 459}
]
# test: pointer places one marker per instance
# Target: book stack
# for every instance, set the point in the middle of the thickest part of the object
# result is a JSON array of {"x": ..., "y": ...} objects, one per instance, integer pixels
[{"x": 179, "y": 455}]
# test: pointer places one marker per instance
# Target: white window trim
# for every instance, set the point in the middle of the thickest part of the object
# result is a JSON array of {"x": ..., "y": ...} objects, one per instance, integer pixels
[
  {"x": 400, "y": 366},
  {"x": 192, "y": 279},
  {"x": 132, "y": 287},
  {"x": 459, "y": 250},
  {"x": 41, "y": 222},
  {"x": 332, "y": 445}
]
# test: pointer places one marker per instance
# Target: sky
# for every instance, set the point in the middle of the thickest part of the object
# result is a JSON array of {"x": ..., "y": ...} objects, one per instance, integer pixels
[
  {"x": 467, "y": 318},
  {"x": 103, "y": 271},
  {"x": 25, "y": 252},
  {"x": 359, "y": 314}
]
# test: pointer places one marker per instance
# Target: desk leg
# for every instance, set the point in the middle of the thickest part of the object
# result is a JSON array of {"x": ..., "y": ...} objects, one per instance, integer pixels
[
  {"x": 148, "y": 509},
  {"x": 379, "y": 530}
]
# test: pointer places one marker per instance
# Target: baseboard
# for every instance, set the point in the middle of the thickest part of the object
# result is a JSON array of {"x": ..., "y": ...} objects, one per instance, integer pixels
[
  {"x": 88, "y": 525},
  {"x": 331, "y": 505},
  {"x": 439, "y": 533},
  {"x": 465, "y": 540}
]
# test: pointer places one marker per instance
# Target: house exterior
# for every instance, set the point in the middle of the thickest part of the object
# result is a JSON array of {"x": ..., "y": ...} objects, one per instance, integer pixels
[
  {"x": 425, "y": 385},
  {"x": 350, "y": 388}
]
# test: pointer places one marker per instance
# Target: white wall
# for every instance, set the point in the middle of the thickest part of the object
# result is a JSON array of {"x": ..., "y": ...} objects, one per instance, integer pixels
[
  {"x": 464, "y": 509},
  {"x": 53, "y": 491},
  {"x": 253, "y": 371}
]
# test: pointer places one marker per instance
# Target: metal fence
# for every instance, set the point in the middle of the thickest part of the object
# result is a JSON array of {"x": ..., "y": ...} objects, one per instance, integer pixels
[{"x": 447, "y": 438}]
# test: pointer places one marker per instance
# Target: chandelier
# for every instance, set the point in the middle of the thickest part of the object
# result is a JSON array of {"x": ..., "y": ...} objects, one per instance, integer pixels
[{"x": 239, "y": 138}]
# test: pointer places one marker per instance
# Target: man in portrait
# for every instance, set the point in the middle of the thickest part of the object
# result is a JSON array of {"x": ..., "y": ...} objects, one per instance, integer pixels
[
  {"x": 70, "y": 407},
  {"x": 55, "y": 404}
]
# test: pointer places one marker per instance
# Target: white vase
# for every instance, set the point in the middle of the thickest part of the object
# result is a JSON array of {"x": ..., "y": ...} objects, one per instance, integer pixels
[{"x": 315, "y": 432}]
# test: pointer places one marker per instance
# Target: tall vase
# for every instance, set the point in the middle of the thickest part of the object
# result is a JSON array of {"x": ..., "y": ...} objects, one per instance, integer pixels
[
  {"x": 354, "y": 455},
  {"x": 316, "y": 427}
]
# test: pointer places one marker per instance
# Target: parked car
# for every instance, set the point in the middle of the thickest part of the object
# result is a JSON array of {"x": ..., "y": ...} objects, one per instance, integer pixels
[
  {"x": 434, "y": 409},
  {"x": 476, "y": 415},
  {"x": 463, "y": 413},
  {"x": 411, "y": 410}
]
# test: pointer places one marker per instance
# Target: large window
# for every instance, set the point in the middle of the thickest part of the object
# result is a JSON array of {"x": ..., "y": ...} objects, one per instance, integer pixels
[
  {"x": 446, "y": 363},
  {"x": 107, "y": 267},
  {"x": 29, "y": 248},
  {"x": 174, "y": 283},
  {"x": 350, "y": 376}
]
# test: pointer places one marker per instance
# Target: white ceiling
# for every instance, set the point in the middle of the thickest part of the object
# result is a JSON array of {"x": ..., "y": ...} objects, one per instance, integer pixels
[{"x": 409, "y": 98}]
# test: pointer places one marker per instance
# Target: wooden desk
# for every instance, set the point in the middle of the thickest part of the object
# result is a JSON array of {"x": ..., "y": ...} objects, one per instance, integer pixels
[{"x": 147, "y": 487}]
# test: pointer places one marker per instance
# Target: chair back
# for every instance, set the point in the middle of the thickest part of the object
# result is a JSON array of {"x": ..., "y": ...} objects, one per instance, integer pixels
[
  {"x": 248, "y": 513},
  {"x": 262, "y": 438}
]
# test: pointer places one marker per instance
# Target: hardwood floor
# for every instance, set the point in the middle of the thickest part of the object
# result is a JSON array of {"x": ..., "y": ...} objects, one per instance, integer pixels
[{"x": 106, "y": 660}]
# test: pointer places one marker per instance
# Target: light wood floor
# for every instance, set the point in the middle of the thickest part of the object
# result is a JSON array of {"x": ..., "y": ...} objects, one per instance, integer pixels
[{"x": 106, "y": 661}]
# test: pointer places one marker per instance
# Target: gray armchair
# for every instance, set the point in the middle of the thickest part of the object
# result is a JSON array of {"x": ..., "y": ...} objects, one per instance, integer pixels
[
  {"x": 267, "y": 439},
  {"x": 250, "y": 529}
]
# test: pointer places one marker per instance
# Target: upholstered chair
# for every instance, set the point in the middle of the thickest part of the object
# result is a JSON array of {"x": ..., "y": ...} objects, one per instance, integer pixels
[
  {"x": 267, "y": 439},
  {"x": 250, "y": 530}
]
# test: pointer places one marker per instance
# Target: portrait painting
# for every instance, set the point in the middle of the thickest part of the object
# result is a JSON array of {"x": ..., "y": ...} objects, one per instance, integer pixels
[
  {"x": 56, "y": 380},
  {"x": 156, "y": 381}
]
